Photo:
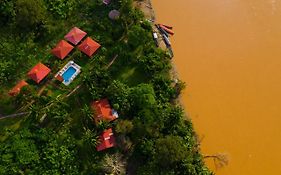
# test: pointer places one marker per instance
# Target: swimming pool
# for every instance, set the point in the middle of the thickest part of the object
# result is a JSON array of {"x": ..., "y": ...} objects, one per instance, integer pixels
[{"x": 68, "y": 73}]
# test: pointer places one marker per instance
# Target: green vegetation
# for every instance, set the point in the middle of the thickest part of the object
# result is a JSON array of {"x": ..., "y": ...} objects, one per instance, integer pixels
[{"x": 57, "y": 134}]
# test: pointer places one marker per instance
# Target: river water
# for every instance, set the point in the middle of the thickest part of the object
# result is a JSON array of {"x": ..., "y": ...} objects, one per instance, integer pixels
[{"x": 229, "y": 54}]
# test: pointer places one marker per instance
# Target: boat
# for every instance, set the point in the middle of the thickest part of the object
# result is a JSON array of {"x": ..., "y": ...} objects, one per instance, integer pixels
[
  {"x": 167, "y": 41},
  {"x": 167, "y": 30},
  {"x": 162, "y": 31},
  {"x": 169, "y": 27},
  {"x": 155, "y": 38}
]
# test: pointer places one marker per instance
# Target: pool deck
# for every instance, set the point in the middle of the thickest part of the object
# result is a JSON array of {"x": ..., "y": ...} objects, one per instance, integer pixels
[{"x": 65, "y": 68}]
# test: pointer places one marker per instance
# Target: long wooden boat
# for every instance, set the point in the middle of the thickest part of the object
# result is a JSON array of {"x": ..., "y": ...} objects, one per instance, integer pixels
[
  {"x": 167, "y": 41},
  {"x": 167, "y": 30},
  {"x": 162, "y": 31},
  {"x": 169, "y": 27}
]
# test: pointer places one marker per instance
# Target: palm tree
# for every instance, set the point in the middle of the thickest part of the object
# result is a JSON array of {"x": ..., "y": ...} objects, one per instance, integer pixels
[
  {"x": 87, "y": 114},
  {"x": 103, "y": 125},
  {"x": 90, "y": 138},
  {"x": 35, "y": 112},
  {"x": 114, "y": 164}
]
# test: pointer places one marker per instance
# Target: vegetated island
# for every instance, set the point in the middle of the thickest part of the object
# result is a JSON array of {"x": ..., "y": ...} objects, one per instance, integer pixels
[{"x": 84, "y": 90}]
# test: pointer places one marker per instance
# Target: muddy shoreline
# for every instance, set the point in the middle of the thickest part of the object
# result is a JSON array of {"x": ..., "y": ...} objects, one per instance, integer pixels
[{"x": 150, "y": 15}]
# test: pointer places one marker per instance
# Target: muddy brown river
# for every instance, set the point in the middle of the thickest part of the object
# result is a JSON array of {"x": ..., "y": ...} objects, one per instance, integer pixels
[{"x": 229, "y": 54}]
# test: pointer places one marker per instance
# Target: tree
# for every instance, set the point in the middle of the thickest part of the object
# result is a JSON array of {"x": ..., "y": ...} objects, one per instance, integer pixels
[
  {"x": 170, "y": 150},
  {"x": 19, "y": 153},
  {"x": 61, "y": 8},
  {"x": 102, "y": 125},
  {"x": 142, "y": 96},
  {"x": 124, "y": 126},
  {"x": 136, "y": 36},
  {"x": 7, "y": 12},
  {"x": 6, "y": 70},
  {"x": 30, "y": 14},
  {"x": 114, "y": 164},
  {"x": 118, "y": 93},
  {"x": 163, "y": 88},
  {"x": 96, "y": 81},
  {"x": 220, "y": 160},
  {"x": 173, "y": 119},
  {"x": 179, "y": 86},
  {"x": 90, "y": 138},
  {"x": 154, "y": 63},
  {"x": 87, "y": 115},
  {"x": 58, "y": 152}
]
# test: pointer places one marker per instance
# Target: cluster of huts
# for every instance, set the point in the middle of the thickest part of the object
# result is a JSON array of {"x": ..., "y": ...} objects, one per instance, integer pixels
[
  {"x": 104, "y": 112},
  {"x": 102, "y": 108},
  {"x": 61, "y": 50}
]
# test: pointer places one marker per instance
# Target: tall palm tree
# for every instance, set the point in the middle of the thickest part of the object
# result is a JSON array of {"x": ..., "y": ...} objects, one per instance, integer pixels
[
  {"x": 114, "y": 164},
  {"x": 87, "y": 115}
]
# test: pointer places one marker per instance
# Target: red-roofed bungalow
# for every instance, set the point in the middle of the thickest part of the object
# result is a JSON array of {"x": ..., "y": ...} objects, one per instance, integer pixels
[
  {"x": 16, "y": 89},
  {"x": 106, "y": 140},
  {"x": 75, "y": 35},
  {"x": 38, "y": 72},
  {"x": 62, "y": 49},
  {"x": 103, "y": 111},
  {"x": 89, "y": 46}
]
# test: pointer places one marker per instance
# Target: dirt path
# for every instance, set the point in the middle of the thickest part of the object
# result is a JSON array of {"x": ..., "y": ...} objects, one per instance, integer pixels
[
  {"x": 13, "y": 115},
  {"x": 112, "y": 61}
]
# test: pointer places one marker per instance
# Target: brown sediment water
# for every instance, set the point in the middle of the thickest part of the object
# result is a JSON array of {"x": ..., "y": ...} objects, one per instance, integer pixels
[{"x": 229, "y": 54}]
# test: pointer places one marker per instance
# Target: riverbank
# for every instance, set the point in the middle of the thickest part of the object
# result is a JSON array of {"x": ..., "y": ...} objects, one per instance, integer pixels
[{"x": 149, "y": 14}]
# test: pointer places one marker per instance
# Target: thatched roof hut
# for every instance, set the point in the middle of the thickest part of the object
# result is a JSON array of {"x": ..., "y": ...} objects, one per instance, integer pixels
[{"x": 114, "y": 14}]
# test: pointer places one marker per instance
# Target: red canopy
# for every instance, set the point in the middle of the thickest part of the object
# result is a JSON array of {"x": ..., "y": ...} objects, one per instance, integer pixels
[
  {"x": 89, "y": 46},
  {"x": 75, "y": 35},
  {"x": 103, "y": 111},
  {"x": 62, "y": 49},
  {"x": 106, "y": 140},
  {"x": 38, "y": 72},
  {"x": 16, "y": 89}
]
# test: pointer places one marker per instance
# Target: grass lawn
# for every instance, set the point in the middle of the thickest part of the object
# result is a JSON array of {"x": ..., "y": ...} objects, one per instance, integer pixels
[{"x": 131, "y": 75}]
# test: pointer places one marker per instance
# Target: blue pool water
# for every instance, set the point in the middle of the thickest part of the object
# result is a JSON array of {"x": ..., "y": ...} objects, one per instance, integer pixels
[{"x": 68, "y": 73}]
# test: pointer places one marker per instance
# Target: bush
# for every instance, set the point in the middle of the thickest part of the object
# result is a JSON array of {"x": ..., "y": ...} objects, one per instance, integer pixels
[
  {"x": 30, "y": 14},
  {"x": 61, "y": 8}
]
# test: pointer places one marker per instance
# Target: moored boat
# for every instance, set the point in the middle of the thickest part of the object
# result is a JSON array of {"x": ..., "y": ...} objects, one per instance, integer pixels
[
  {"x": 169, "y": 27},
  {"x": 155, "y": 38},
  {"x": 167, "y": 30},
  {"x": 167, "y": 41},
  {"x": 162, "y": 31}
]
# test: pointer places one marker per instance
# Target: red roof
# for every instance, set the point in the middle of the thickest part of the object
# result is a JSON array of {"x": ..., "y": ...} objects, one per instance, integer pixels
[
  {"x": 62, "y": 49},
  {"x": 103, "y": 111},
  {"x": 106, "y": 140},
  {"x": 89, "y": 46},
  {"x": 59, "y": 78},
  {"x": 16, "y": 89},
  {"x": 39, "y": 72},
  {"x": 75, "y": 35}
]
